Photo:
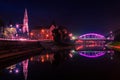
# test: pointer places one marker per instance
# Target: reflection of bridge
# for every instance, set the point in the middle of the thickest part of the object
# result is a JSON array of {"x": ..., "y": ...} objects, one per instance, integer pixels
[{"x": 94, "y": 54}]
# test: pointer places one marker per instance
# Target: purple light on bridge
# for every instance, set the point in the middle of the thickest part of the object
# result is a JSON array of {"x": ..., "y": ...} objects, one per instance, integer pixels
[
  {"x": 94, "y": 35},
  {"x": 91, "y": 54}
]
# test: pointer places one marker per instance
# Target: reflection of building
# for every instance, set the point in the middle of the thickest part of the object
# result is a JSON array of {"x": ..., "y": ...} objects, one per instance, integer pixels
[
  {"x": 14, "y": 68},
  {"x": 25, "y": 68},
  {"x": 42, "y": 33},
  {"x": 43, "y": 58}
]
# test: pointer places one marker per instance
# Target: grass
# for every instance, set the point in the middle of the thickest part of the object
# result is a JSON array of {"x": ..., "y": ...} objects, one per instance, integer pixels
[{"x": 115, "y": 44}]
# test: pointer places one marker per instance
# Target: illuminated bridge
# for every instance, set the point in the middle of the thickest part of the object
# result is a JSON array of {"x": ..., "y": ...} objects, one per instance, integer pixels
[
  {"x": 92, "y": 39},
  {"x": 92, "y": 36}
]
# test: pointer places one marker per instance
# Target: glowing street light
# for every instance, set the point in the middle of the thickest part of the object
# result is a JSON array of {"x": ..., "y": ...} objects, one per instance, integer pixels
[
  {"x": 42, "y": 30},
  {"x": 47, "y": 35},
  {"x": 73, "y": 37},
  {"x": 70, "y": 34},
  {"x": 31, "y": 34}
]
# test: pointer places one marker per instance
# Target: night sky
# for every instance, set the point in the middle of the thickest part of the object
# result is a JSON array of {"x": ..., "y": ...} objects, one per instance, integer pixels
[{"x": 79, "y": 17}]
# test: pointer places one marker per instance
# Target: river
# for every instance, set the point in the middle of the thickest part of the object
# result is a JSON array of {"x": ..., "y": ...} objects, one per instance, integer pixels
[{"x": 82, "y": 63}]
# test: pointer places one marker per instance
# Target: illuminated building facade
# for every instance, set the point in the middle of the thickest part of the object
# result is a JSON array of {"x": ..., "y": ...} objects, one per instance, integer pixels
[{"x": 42, "y": 33}]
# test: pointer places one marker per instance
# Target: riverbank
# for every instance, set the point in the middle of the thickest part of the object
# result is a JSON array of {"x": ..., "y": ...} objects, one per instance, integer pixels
[{"x": 115, "y": 45}]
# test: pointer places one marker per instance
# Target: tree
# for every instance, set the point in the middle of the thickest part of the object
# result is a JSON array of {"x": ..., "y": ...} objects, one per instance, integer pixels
[
  {"x": 9, "y": 32},
  {"x": 61, "y": 35}
]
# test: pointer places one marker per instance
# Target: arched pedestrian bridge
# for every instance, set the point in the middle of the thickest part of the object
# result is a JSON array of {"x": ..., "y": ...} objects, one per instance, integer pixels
[
  {"x": 92, "y": 36},
  {"x": 91, "y": 39}
]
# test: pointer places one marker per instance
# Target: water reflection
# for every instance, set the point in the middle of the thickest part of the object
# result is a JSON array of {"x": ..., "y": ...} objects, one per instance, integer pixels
[
  {"x": 61, "y": 56},
  {"x": 55, "y": 58},
  {"x": 13, "y": 69},
  {"x": 18, "y": 68},
  {"x": 25, "y": 68},
  {"x": 93, "y": 52},
  {"x": 47, "y": 57}
]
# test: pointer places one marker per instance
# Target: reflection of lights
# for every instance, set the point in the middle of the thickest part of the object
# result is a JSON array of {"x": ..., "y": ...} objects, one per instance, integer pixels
[
  {"x": 31, "y": 59},
  {"x": 10, "y": 71},
  {"x": 79, "y": 41},
  {"x": 106, "y": 45},
  {"x": 13, "y": 69},
  {"x": 111, "y": 58},
  {"x": 79, "y": 47},
  {"x": 47, "y": 56},
  {"x": 72, "y": 51},
  {"x": 117, "y": 47},
  {"x": 108, "y": 38},
  {"x": 42, "y": 60},
  {"x": 71, "y": 55},
  {"x": 108, "y": 51},
  {"x": 104, "y": 48},
  {"x": 92, "y": 54}
]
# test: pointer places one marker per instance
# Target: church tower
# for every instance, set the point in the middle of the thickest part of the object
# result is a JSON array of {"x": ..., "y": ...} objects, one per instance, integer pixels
[{"x": 25, "y": 24}]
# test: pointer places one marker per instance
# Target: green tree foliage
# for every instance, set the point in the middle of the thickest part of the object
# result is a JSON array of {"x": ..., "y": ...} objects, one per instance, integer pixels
[{"x": 10, "y": 33}]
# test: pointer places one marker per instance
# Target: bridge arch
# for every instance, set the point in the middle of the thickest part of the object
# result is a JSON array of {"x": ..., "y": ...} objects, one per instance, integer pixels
[
  {"x": 91, "y": 54},
  {"x": 91, "y": 36}
]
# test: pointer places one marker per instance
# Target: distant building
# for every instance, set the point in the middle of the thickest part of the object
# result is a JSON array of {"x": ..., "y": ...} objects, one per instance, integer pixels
[{"x": 42, "y": 33}]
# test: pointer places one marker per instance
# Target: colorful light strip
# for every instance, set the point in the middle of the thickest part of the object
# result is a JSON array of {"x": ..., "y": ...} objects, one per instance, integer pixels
[
  {"x": 91, "y": 54},
  {"x": 92, "y": 34}
]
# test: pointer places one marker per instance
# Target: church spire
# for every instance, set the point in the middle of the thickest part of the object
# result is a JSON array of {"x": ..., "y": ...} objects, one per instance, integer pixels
[{"x": 25, "y": 23}]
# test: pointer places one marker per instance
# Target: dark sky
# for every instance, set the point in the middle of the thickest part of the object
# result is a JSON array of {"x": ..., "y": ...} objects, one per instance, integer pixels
[{"x": 78, "y": 16}]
